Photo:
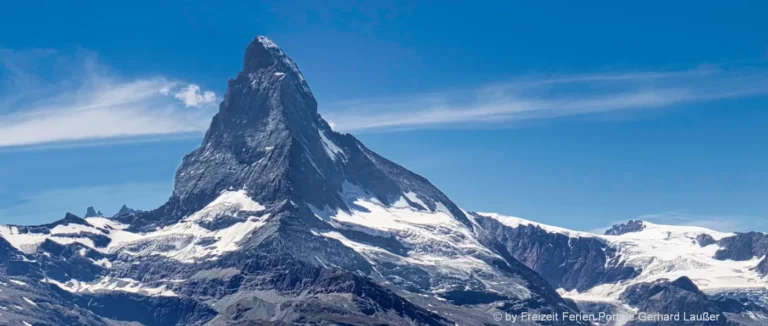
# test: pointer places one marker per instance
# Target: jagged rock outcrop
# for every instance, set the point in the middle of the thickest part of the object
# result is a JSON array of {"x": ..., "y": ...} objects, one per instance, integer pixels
[
  {"x": 624, "y": 228},
  {"x": 705, "y": 240},
  {"x": 91, "y": 212},
  {"x": 743, "y": 246}
]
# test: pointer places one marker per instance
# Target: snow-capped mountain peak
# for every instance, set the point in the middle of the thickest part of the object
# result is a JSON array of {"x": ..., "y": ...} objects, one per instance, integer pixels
[
  {"x": 276, "y": 211},
  {"x": 276, "y": 218}
]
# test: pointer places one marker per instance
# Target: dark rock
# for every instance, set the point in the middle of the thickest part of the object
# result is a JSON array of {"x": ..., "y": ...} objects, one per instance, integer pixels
[
  {"x": 762, "y": 267},
  {"x": 565, "y": 262},
  {"x": 91, "y": 212},
  {"x": 679, "y": 297},
  {"x": 705, "y": 240},
  {"x": 150, "y": 311},
  {"x": 631, "y": 226},
  {"x": 743, "y": 246},
  {"x": 125, "y": 210}
]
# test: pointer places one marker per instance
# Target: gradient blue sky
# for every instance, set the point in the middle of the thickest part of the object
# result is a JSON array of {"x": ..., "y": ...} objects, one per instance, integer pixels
[{"x": 570, "y": 113}]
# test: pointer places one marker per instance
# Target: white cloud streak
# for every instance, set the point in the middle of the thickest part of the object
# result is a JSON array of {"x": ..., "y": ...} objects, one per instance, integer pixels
[
  {"x": 722, "y": 223},
  {"x": 193, "y": 97},
  {"x": 731, "y": 223},
  {"x": 48, "y": 99},
  {"x": 86, "y": 102},
  {"x": 547, "y": 97}
]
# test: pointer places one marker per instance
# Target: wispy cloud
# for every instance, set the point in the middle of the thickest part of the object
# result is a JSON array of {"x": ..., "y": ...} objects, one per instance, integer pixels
[
  {"x": 548, "y": 97},
  {"x": 47, "y": 97},
  {"x": 726, "y": 222},
  {"x": 192, "y": 96}
]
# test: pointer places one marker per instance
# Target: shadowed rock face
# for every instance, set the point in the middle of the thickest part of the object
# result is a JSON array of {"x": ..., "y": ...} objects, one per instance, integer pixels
[
  {"x": 762, "y": 267},
  {"x": 743, "y": 246},
  {"x": 705, "y": 240},
  {"x": 269, "y": 139},
  {"x": 565, "y": 262},
  {"x": 631, "y": 226},
  {"x": 91, "y": 212}
]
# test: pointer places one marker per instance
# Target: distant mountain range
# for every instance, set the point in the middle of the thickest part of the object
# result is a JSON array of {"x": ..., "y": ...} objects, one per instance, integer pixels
[{"x": 276, "y": 219}]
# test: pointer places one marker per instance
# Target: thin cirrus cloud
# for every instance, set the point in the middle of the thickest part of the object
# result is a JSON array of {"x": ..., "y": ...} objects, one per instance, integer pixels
[
  {"x": 722, "y": 223},
  {"x": 47, "y": 98},
  {"x": 79, "y": 101},
  {"x": 548, "y": 97},
  {"x": 727, "y": 223}
]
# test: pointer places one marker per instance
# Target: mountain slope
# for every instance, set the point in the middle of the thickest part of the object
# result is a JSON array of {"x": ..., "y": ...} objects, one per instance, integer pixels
[
  {"x": 276, "y": 218},
  {"x": 592, "y": 268}
]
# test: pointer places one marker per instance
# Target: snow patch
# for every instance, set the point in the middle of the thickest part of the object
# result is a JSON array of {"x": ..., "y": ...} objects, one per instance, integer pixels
[
  {"x": 333, "y": 150},
  {"x": 436, "y": 242},
  {"x": 183, "y": 237},
  {"x": 109, "y": 284},
  {"x": 29, "y": 301},
  {"x": 514, "y": 222},
  {"x": 73, "y": 228},
  {"x": 18, "y": 282},
  {"x": 178, "y": 241},
  {"x": 105, "y": 223},
  {"x": 24, "y": 242},
  {"x": 415, "y": 199},
  {"x": 266, "y": 42}
]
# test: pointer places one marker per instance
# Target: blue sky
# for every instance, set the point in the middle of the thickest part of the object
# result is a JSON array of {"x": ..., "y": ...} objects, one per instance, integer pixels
[{"x": 574, "y": 114}]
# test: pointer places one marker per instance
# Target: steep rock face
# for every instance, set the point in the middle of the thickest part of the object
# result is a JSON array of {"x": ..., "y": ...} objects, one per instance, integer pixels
[
  {"x": 269, "y": 139},
  {"x": 743, "y": 246},
  {"x": 571, "y": 263},
  {"x": 705, "y": 240},
  {"x": 314, "y": 183},
  {"x": 91, "y": 212},
  {"x": 762, "y": 267}
]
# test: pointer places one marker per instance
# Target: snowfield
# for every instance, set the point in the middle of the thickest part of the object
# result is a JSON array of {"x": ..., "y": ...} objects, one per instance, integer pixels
[
  {"x": 662, "y": 252},
  {"x": 436, "y": 241},
  {"x": 186, "y": 241}
]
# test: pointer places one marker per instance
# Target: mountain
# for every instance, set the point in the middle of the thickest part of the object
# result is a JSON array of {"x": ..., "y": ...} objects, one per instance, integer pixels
[
  {"x": 91, "y": 212},
  {"x": 695, "y": 268},
  {"x": 274, "y": 219},
  {"x": 277, "y": 219}
]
